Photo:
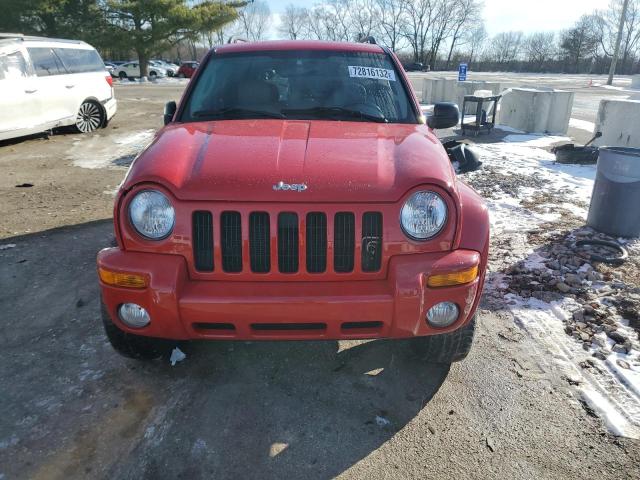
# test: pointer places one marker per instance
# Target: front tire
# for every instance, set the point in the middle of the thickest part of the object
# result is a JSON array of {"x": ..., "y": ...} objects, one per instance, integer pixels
[
  {"x": 130, "y": 345},
  {"x": 446, "y": 347},
  {"x": 90, "y": 117}
]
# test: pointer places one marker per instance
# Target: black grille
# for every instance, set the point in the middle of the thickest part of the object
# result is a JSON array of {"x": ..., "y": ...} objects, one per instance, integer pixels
[
  {"x": 316, "y": 242},
  {"x": 231, "y": 241},
  {"x": 288, "y": 326},
  {"x": 288, "y": 242},
  {"x": 343, "y": 241},
  {"x": 214, "y": 326},
  {"x": 371, "y": 241},
  {"x": 203, "y": 241},
  {"x": 259, "y": 242}
]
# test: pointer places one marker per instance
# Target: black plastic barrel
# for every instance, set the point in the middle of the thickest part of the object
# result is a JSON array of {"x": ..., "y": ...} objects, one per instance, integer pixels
[{"x": 615, "y": 203}]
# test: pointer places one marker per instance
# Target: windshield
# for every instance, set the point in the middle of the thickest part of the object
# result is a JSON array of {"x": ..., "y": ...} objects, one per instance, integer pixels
[{"x": 300, "y": 85}]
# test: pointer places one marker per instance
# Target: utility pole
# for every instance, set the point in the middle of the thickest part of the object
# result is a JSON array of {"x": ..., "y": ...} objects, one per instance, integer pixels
[{"x": 616, "y": 53}]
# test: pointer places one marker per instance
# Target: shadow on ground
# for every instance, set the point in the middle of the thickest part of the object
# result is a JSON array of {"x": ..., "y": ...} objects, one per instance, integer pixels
[{"x": 72, "y": 407}]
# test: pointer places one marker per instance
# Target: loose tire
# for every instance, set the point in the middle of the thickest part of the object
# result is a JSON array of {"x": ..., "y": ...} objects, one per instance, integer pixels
[
  {"x": 132, "y": 346},
  {"x": 90, "y": 117},
  {"x": 446, "y": 347}
]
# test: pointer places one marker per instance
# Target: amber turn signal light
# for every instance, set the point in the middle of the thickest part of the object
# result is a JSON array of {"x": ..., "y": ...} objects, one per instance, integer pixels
[
  {"x": 454, "y": 278},
  {"x": 121, "y": 279}
]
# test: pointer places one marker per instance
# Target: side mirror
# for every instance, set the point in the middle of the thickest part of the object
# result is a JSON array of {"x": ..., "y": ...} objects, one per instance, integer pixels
[
  {"x": 169, "y": 111},
  {"x": 445, "y": 115}
]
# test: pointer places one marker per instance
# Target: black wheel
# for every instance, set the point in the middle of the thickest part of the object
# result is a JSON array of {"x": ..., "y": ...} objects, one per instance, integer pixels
[
  {"x": 132, "y": 346},
  {"x": 153, "y": 74},
  {"x": 446, "y": 347},
  {"x": 90, "y": 117},
  {"x": 122, "y": 75}
]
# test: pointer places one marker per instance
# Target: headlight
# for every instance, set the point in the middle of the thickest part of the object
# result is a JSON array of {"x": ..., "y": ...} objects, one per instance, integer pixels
[
  {"x": 423, "y": 215},
  {"x": 152, "y": 214}
]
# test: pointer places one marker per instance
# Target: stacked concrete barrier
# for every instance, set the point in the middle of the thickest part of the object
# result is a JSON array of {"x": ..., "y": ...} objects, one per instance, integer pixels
[
  {"x": 619, "y": 122},
  {"x": 433, "y": 89},
  {"x": 436, "y": 90},
  {"x": 416, "y": 81},
  {"x": 536, "y": 111}
]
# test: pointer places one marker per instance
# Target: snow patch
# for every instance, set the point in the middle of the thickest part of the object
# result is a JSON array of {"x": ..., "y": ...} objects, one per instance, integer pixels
[
  {"x": 611, "y": 391},
  {"x": 108, "y": 152},
  {"x": 582, "y": 124},
  {"x": 540, "y": 141},
  {"x": 611, "y": 388}
]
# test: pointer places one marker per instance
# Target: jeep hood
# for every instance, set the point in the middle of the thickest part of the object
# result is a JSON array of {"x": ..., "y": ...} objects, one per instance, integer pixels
[{"x": 241, "y": 160}]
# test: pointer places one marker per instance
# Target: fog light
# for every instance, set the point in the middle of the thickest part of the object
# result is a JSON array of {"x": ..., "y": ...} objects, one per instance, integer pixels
[
  {"x": 133, "y": 315},
  {"x": 443, "y": 314}
]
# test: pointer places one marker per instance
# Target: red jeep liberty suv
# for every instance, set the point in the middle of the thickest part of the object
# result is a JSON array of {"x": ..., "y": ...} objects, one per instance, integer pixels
[{"x": 297, "y": 193}]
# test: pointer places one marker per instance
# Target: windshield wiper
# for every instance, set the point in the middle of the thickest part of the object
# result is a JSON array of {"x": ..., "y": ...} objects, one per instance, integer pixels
[
  {"x": 336, "y": 111},
  {"x": 236, "y": 112}
]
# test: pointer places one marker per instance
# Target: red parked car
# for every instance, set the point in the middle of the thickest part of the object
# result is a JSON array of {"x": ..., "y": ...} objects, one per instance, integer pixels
[
  {"x": 298, "y": 192},
  {"x": 187, "y": 69}
]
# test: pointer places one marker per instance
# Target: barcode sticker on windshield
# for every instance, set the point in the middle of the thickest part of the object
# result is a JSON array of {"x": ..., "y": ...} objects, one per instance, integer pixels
[{"x": 372, "y": 72}]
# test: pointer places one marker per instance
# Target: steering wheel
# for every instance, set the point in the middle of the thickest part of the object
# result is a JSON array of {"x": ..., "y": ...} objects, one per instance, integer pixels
[{"x": 367, "y": 108}]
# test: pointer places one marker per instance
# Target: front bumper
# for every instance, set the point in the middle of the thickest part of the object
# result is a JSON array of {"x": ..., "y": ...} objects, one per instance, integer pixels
[{"x": 395, "y": 307}]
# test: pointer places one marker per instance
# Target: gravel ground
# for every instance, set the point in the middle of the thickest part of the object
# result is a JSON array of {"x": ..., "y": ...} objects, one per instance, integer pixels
[{"x": 72, "y": 408}]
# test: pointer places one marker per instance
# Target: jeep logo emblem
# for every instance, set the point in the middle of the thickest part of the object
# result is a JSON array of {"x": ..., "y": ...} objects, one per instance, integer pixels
[{"x": 296, "y": 187}]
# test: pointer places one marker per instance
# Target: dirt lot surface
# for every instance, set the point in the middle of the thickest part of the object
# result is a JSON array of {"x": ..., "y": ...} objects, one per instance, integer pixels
[
  {"x": 72, "y": 408},
  {"x": 65, "y": 191}
]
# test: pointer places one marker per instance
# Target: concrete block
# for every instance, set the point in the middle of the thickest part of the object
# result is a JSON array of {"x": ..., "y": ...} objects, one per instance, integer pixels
[
  {"x": 536, "y": 111},
  {"x": 416, "y": 81},
  {"x": 436, "y": 90},
  {"x": 635, "y": 82},
  {"x": 432, "y": 89},
  {"x": 619, "y": 122}
]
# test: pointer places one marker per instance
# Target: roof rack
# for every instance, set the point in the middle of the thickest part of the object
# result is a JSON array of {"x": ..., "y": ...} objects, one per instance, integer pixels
[
  {"x": 368, "y": 39},
  {"x": 11, "y": 35},
  {"x": 34, "y": 38},
  {"x": 234, "y": 39}
]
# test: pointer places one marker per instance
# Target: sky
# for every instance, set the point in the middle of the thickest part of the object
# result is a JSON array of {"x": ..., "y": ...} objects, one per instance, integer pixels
[{"x": 505, "y": 15}]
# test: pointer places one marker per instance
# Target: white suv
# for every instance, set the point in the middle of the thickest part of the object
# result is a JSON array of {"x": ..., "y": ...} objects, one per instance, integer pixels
[
  {"x": 132, "y": 70},
  {"x": 48, "y": 83}
]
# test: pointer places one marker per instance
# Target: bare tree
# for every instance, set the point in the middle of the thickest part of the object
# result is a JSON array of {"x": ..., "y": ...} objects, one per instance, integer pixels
[
  {"x": 466, "y": 12},
  {"x": 476, "y": 38},
  {"x": 331, "y": 21},
  {"x": 364, "y": 18},
  {"x": 539, "y": 48},
  {"x": 416, "y": 29},
  {"x": 506, "y": 47},
  {"x": 442, "y": 26},
  {"x": 391, "y": 15},
  {"x": 254, "y": 20},
  {"x": 608, "y": 23},
  {"x": 582, "y": 41},
  {"x": 293, "y": 22}
]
